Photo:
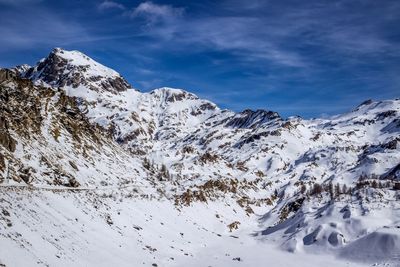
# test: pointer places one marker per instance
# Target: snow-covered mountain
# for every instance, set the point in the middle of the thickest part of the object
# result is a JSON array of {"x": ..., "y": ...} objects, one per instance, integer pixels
[{"x": 76, "y": 138}]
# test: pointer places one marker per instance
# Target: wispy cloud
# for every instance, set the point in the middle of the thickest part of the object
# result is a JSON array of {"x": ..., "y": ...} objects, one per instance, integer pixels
[
  {"x": 110, "y": 5},
  {"x": 155, "y": 13},
  {"x": 281, "y": 35},
  {"x": 240, "y": 36}
]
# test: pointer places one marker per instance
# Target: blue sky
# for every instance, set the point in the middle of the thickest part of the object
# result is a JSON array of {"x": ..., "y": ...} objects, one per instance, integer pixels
[{"x": 309, "y": 58}]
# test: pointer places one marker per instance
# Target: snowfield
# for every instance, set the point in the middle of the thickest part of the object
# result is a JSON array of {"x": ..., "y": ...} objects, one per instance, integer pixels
[
  {"x": 109, "y": 228},
  {"x": 96, "y": 173}
]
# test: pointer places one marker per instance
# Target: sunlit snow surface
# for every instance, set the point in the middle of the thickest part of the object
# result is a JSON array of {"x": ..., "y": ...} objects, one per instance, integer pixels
[{"x": 92, "y": 229}]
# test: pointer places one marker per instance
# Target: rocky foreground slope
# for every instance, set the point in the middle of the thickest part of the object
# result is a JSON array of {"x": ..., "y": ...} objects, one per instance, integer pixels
[{"x": 94, "y": 172}]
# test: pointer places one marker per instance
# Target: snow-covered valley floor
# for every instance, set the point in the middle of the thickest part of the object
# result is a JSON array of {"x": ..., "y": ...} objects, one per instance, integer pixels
[{"x": 93, "y": 228}]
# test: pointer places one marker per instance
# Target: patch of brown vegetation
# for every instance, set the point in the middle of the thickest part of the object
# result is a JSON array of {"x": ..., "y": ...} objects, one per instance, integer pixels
[{"x": 233, "y": 226}]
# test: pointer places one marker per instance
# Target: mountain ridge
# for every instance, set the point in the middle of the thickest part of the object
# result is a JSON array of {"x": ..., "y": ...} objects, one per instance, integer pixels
[{"x": 310, "y": 185}]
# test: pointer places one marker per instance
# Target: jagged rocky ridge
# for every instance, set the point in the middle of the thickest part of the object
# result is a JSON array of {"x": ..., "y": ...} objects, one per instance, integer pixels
[{"x": 81, "y": 125}]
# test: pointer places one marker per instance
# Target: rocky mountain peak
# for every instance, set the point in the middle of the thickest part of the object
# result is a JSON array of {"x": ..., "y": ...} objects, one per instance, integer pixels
[
  {"x": 72, "y": 69},
  {"x": 250, "y": 119},
  {"x": 21, "y": 70},
  {"x": 172, "y": 95}
]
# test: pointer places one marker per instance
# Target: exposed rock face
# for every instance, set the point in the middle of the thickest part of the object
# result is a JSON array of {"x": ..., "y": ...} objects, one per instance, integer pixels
[
  {"x": 252, "y": 119},
  {"x": 6, "y": 74},
  {"x": 57, "y": 143},
  {"x": 393, "y": 174},
  {"x": 73, "y": 69},
  {"x": 5, "y": 138},
  {"x": 2, "y": 163}
]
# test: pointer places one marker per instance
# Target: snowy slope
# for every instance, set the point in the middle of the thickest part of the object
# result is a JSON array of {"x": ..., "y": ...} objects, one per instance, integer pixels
[
  {"x": 92, "y": 229},
  {"x": 305, "y": 186},
  {"x": 47, "y": 141}
]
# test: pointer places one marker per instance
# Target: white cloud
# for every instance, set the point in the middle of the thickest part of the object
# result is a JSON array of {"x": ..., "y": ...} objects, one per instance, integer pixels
[
  {"x": 240, "y": 36},
  {"x": 110, "y": 5},
  {"x": 282, "y": 35},
  {"x": 154, "y": 12}
]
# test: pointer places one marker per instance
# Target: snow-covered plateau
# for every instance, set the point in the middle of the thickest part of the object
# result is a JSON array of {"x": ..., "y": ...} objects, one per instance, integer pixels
[{"x": 95, "y": 173}]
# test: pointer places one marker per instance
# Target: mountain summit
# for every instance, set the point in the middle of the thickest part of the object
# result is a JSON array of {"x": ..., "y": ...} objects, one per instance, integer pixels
[{"x": 62, "y": 68}]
